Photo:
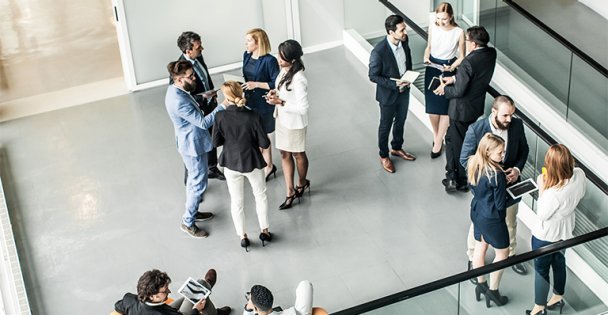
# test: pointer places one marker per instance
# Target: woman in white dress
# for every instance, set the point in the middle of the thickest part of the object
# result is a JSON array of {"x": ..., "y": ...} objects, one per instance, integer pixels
[
  {"x": 445, "y": 50},
  {"x": 291, "y": 113}
]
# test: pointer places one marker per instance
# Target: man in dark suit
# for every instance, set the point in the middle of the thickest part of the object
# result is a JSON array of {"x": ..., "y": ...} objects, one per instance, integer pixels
[
  {"x": 501, "y": 123},
  {"x": 467, "y": 93},
  {"x": 189, "y": 43},
  {"x": 391, "y": 59}
]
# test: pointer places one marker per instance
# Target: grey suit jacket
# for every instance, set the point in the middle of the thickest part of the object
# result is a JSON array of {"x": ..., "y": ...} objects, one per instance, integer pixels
[{"x": 191, "y": 126}]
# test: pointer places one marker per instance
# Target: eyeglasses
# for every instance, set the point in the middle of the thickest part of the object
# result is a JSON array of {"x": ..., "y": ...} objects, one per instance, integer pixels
[{"x": 165, "y": 291}]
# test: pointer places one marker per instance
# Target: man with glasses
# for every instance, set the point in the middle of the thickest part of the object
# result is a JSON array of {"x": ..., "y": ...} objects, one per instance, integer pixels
[
  {"x": 193, "y": 140},
  {"x": 189, "y": 43},
  {"x": 466, "y": 92},
  {"x": 153, "y": 297}
]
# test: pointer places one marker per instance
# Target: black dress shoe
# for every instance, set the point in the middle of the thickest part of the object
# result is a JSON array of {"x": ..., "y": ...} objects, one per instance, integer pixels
[
  {"x": 203, "y": 216},
  {"x": 215, "y": 173},
  {"x": 450, "y": 185},
  {"x": 520, "y": 269},
  {"x": 463, "y": 188}
]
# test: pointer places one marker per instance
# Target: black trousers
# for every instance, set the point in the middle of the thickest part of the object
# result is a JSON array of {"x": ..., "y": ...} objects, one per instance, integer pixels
[
  {"x": 393, "y": 115},
  {"x": 454, "y": 138}
]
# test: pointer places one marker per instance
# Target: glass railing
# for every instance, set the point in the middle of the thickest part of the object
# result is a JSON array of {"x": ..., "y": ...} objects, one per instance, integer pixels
[{"x": 456, "y": 294}]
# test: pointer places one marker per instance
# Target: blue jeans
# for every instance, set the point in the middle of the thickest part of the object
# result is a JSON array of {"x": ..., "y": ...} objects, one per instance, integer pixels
[
  {"x": 557, "y": 261},
  {"x": 393, "y": 115},
  {"x": 196, "y": 184}
]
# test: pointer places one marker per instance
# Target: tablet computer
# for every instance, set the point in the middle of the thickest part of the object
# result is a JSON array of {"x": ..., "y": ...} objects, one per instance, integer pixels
[
  {"x": 194, "y": 291},
  {"x": 520, "y": 189}
]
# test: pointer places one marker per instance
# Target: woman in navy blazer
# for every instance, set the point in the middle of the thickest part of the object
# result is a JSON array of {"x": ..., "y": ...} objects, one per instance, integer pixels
[
  {"x": 488, "y": 210},
  {"x": 260, "y": 70}
]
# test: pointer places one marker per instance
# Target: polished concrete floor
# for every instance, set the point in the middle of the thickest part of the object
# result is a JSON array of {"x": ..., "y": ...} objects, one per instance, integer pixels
[{"x": 96, "y": 197}]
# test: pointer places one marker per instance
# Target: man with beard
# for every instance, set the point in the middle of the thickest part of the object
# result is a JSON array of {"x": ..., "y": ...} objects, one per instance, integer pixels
[
  {"x": 193, "y": 140},
  {"x": 190, "y": 44},
  {"x": 501, "y": 123},
  {"x": 390, "y": 59}
]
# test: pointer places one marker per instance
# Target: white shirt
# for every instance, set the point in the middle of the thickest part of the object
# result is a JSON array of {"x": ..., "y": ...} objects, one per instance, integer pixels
[
  {"x": 503, "y": 133},
  {"x": 555, "y": 209},
  {"x": 399, "y": 53},
  {"x": 444, "y": 44}
]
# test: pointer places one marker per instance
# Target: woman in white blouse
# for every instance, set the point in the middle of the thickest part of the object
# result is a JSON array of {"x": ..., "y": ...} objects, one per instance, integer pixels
[
  {"x": 291, "y": 113},
  {"x": 561, "y": 188},
  {"x": 443, "y": 54}
]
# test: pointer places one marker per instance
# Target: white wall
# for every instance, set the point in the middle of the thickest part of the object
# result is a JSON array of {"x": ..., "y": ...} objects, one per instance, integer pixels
[{"x": 321, "y": 21}]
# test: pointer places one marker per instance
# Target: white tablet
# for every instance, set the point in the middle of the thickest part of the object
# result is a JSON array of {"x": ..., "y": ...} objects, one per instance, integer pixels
[
  {"x": 520, "y": 189},
  {"x": 194, "y": 291}
]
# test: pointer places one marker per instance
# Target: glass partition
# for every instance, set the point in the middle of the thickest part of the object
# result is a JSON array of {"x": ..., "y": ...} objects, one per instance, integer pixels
[{"x": 461, "y": 298}]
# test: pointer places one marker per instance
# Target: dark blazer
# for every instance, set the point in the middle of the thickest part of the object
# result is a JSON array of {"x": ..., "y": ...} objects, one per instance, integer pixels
[
  {"x": 517, "y": 148},
  {"x": 205, "y": 105},
  {"x": 468, "y": 94},
  {"x": 240, "y": 131},
  {"x": 383, "y": 67},
  {"x": 490, "y": 197},
  {"x": 266, "y": 70}
]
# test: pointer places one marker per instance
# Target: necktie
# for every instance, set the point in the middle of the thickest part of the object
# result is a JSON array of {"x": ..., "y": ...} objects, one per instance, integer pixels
[
  {"x": 401, "y": 60},
  {"x": 202, "y": 74}
]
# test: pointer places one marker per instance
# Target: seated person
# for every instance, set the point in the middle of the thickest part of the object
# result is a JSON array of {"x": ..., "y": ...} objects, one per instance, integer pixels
[
  {"x": 153, "y": 292},
  {"x": 260, "y": 301}
]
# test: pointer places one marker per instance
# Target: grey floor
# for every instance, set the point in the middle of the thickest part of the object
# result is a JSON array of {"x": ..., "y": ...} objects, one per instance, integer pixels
[{"x": 96, "y": 196}]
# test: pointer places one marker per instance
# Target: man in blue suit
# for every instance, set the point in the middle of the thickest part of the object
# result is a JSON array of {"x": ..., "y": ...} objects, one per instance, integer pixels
[
  {"x": 501, "y": 123},
  {"x": 193, "y": 140},
  {"x": 391, "y": 59}
]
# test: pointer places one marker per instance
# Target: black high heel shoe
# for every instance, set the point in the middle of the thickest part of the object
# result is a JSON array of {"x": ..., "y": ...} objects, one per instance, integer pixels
[
  {"x": 559, "y": 304},
  {"x": 272, "y": 172},
  {"x": 289, "y": 201},
  {"x": 300, "y": 190},
  {"x": 480, "y": 289},
  {"x": 435, "y": 155},
  {"x": 543, "y": 312},
  {"x": 494, "y": 296},
  {"x": 265, "y": 237},
  {"x": 245, "y": 243}
]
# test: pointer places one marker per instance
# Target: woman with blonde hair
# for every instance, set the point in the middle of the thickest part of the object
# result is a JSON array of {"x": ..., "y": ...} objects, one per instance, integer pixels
[
  {"x": 444, "y": 52},
  {"x": 488, "y": 211},
  {"x": 561, "y": 187},
  {"x": 240, "y": 131},
  {"x": 260, "y": 70}
]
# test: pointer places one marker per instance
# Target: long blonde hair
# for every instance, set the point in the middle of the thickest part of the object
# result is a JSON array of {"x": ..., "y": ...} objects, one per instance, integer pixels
[
  {"x": 560, "y": 166},
  {"x": 481, "y": 163},
  {"x": 261, "y": 38},
  {"x": 233, "y": 92},
  {"x": 447, "y": 8}
]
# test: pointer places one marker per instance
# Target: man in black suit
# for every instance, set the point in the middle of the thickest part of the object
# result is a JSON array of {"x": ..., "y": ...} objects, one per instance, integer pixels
[
  {"x": 191, "y": 47},
  {"x": 391, "y": 59},
  {"x": 501, "y": 123},
  {"x": 467, "y": 93}
]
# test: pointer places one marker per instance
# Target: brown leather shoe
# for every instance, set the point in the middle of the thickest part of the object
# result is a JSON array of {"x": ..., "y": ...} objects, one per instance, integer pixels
[
  {"x": 387, "y": 164},
  {"x": 404, "y": 155},
  {"x": 211, "y": 277}
]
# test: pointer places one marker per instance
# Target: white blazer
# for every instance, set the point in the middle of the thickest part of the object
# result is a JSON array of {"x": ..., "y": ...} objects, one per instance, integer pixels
[{"x": 294, "y": 114}]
